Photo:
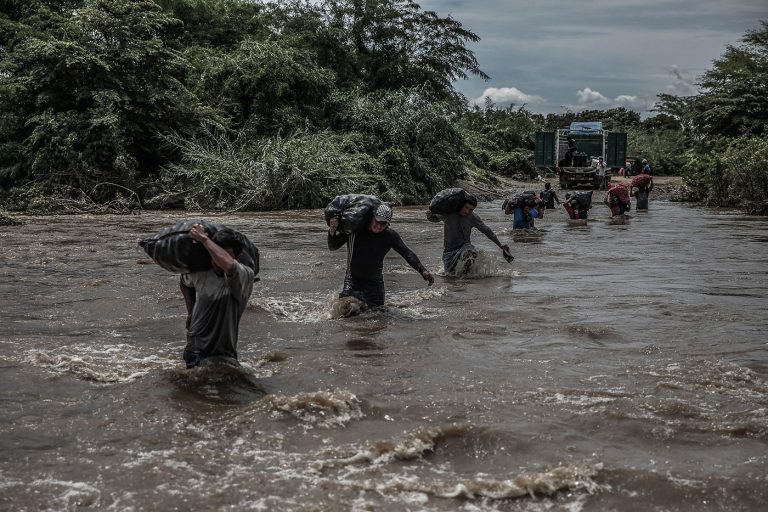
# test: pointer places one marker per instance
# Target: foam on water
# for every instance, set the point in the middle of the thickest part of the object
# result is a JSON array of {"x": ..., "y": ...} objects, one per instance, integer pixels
[
  {"x": 325, "y": 409},
  {"x": 409, "y": 447},
  {"x": 309, "y": 308},
  {"x": 108, "y": 365},
  {"x": 486, "y": 265}
]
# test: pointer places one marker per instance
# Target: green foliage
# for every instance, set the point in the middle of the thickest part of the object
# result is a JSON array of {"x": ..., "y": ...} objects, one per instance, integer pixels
[
  {"x": 725, "y": 126},
  {"x": 397, "y": 146},
  {"x": 424, "y": 131},
  {"x": 94, "y": 87},
  {"x": 615, "y": 119},
  {"x": 387, "y": 45},
  {"x": 304, "y": 170},
  {"x": 663, "y": 148},
  {"x": 267, "y": 85}
]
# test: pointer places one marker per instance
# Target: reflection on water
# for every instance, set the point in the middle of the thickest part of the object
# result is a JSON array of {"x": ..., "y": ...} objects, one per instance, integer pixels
[{"x": 611, "y": 366}]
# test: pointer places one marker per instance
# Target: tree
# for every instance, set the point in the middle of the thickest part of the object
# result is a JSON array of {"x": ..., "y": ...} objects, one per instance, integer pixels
[
  {"x": 92, "y": 86},
  {"x": 734, "y": 97},
  {"x": 387, "y": 45}
]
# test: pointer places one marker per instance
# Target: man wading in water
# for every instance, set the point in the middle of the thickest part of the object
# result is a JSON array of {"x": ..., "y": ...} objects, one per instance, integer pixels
[
  {"x": 458, "y": 252},
  {"x": 365, "y": 257},
  {"x": 216, "y": 299}
]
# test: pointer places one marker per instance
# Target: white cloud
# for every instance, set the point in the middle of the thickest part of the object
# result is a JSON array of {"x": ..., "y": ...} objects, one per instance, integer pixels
[
  {"x": 589, "y": 97},
  {"x": 507, "y": 96},
  {"x": 625, "y": 98},
  {"x": 683, "y": 82}
]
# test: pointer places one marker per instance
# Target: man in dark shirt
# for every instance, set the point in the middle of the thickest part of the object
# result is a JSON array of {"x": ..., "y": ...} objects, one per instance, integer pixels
[
  {"x": 365, "y": 257},
  {"x": 549, "y": 196}
]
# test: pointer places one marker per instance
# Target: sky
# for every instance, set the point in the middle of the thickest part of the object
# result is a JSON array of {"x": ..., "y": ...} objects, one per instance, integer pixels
[{"x": 560, "y": 55}]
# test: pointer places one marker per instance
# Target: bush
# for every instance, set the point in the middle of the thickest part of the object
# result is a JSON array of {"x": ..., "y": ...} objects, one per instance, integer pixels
[
  {"x": 305, "y": 170},
  {"x": 511, "y": 163},
  {"x": 745, "y": 162}
]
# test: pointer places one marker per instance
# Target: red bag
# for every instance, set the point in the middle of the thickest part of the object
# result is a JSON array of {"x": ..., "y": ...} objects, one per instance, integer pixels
[
  {"x": 641, "y": 180},
  {"x": 619, "y": 191}
]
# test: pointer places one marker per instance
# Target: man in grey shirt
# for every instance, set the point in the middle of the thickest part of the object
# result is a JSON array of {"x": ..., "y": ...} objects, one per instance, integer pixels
[
  {"x": 458, "y": 252},
  {"x": 216, "y": 298}
]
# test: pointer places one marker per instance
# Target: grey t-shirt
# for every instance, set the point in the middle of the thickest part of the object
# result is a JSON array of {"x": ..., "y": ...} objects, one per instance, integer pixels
[
  {"x": 457, "y": 229},
  {"x": 221, "y": 301}
]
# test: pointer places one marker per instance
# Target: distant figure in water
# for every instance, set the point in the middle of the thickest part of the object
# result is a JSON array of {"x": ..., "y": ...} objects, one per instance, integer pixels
[
  {"x": 216, "y": 299},
  {"x": 549, "y": 197},
  {"x": 366, "y": 250},
  {"x": 458, "y": 252},
  {"x": 641, "y": 193}
]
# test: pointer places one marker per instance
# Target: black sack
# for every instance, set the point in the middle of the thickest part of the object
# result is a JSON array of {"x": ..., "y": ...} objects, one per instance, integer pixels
[
  {"x": 584, "y": 199},
  {"x": 173, "y": 249},
  {"x": 354, "y": 211},
  {"x": 451, "y": 200},
  {"x": 521, "y": 200}
]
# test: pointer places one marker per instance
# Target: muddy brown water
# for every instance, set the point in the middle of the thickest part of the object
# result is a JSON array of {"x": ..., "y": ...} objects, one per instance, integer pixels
[{"x": 609, "y": 367}]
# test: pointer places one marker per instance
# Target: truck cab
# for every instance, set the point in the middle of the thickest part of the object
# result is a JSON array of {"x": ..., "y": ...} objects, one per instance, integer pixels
[{"x": 555, "y": 151}]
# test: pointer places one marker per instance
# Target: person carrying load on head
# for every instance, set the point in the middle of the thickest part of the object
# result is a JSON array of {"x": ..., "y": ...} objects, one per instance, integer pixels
[
  {"x": 617, "y": 199},
  {"x": 641, "y": 187},
  {"x": 549, "y": 197},
  {"x": 455, "y": 208},
  {"x": 524, "y": 208},
  {"x": 215, "y": 298},
  {"x": 578, "y": 205},
  {"x": 366, "y": 249}
]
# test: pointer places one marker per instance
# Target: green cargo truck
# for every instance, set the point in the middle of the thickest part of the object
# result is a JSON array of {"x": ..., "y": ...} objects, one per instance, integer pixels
[{"x": 577, "y": 168}]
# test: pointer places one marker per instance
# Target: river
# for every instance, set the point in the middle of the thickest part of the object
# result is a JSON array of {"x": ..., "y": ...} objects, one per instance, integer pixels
[{"x": 609, "y": 367}]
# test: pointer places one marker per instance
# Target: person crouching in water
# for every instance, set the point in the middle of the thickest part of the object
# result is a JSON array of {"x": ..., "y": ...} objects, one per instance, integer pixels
[
  {"x": 617, "y": 199},
  {"x": 575, "y": 209},
  {"x": 458, "y": 252},
  {"x": 366, "y": 250},
  {"x": 215, "y": 298}
]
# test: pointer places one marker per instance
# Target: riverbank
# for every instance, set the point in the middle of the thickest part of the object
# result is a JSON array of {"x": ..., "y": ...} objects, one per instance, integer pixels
[{"x": 669, "y": 188}]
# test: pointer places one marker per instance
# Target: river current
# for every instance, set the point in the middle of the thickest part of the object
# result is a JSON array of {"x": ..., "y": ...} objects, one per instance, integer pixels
[{"x": 610, "y": 367}]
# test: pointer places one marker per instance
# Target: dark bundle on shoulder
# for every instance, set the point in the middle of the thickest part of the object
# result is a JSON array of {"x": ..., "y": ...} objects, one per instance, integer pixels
[
  {"x": 173, "y": 249},
  {"x": 584, "y": 199},
  {"x": 521, "y": 200},
  {"x": 354, "y": 211},
  {"x": 451, "y": 200}
]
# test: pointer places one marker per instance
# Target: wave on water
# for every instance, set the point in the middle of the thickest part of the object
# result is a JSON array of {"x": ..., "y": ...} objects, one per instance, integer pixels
[
  {"x": 570, "y": 477},
  {"x": 297, "y": 308},
  {"x": 486, "y": 265},
  {"x": 64, "y": 495},
  {"x": 325, "y": 409},
  {"x": 109, "y": 365},
  {"x": 564, "y": 477},
  {"x": 712, "y": 397},
  {"x": 320, "y": 308},
  {"x": 409, "y": 447}
]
